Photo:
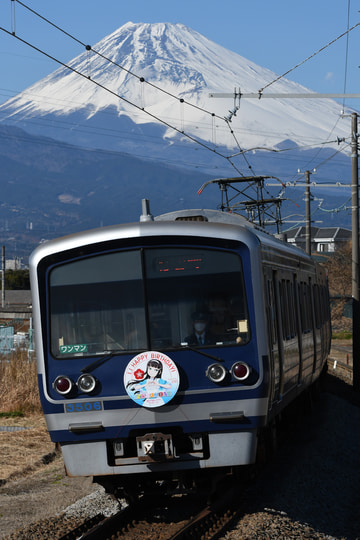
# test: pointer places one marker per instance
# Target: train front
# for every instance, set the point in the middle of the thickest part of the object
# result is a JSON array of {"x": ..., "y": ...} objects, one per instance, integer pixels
[{"x": 149, "y": 364}]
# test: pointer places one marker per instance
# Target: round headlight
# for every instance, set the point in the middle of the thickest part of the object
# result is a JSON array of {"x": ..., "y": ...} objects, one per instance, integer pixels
[
  {"x": 240, "y": 371},
  {"x": 86, "y": 383},
  {"x": 63, "y": 385},
  {"x": 216, "y": 373}
]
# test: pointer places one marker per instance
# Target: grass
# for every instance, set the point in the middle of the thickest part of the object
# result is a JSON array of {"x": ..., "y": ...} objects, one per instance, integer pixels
[
  {"x": 342, "y": 335},
  {"x": 12, "y": 414},
  {"x": 19, "y": 394}
]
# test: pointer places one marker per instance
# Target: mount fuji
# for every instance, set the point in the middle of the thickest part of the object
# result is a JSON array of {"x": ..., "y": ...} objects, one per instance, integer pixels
[
  {"x": 145, "y": 89},
  {"x": 132, "y": 117}
]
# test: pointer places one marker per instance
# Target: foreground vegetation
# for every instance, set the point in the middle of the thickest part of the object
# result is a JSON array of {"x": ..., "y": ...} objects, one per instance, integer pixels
[
  {"x": 338, "y": 266},
  {"x": 18, "y": 384}
]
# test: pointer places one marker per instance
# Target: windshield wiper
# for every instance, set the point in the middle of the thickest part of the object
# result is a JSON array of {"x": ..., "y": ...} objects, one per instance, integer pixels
[
  {"x": 99, "y": 361},
  {"x": 204, "y": 353},
  {"x": 104, "y": 358},
  {"x": 109, "y": 354}
]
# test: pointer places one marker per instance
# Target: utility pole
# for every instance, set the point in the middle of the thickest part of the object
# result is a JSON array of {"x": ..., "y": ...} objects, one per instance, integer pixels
[
  {"x": 355, "y": 251},
  {"x": 307, "y": 214},
  {"x": 3, "y": 276}
]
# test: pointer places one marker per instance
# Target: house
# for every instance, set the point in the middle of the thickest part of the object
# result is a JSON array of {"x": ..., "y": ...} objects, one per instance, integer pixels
[
  {"x": 17, "y": 306},
  {"x": 323, "y": 239}
]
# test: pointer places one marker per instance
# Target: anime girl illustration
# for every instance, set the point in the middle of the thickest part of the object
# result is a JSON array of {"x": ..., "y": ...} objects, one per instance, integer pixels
[{"x": 148, "y": 387}]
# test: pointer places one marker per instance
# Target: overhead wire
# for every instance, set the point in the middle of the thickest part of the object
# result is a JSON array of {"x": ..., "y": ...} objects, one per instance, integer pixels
[
  {"x": 345, "y": 77},
  {"x": 158, "y": 119},
  {"x": 321, "y": 148},
  {"x": 308, "y": 58},
  {"x": 181, "y": 131},
  {"x": 55, "y": 100},
  {"x": 88, "y": 48},
  {"x": 140, "y": 78}
]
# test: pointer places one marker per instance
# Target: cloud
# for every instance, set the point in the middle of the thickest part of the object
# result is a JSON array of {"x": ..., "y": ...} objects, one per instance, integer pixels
[{"x": 329, "y": 75}]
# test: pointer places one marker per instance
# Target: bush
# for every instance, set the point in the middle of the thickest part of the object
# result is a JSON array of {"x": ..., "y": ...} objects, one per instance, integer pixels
[{"x": 18, "y": 384}]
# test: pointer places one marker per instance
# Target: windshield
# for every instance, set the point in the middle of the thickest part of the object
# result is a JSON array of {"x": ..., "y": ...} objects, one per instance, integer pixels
[{"x": 147, "y": 299}]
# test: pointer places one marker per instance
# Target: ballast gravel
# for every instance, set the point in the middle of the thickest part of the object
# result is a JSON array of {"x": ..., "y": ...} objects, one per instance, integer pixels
[
  {"x": 95, "y": 503},
  {"x": 310, "y": 490}
]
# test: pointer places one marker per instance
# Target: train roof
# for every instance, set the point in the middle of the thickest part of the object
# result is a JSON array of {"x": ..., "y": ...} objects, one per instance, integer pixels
[
  {"x": 207, "y": 215},
  {"x": 190, "y": 222},
  {"x": 235, "y": 220}
]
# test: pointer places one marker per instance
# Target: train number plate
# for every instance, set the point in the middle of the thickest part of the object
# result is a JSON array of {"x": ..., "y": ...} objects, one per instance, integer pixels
[{"x": 88, "y": 406}]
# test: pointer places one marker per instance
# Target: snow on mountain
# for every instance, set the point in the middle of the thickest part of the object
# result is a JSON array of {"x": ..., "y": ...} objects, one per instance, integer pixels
[{"x": 182, "y": 63}]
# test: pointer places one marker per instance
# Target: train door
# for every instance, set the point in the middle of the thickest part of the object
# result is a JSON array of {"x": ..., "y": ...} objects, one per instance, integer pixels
[
  {"x": 274, "y": 345},
  {"x": 316, "y": 325},
  {"x": 298, "y": 325},
  {"x": 325, "y": 320},
  {"x": 306, "y": 324}
]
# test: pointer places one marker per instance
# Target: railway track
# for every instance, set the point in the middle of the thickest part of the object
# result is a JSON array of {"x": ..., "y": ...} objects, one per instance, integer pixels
[{"x": 165, "y": 519}]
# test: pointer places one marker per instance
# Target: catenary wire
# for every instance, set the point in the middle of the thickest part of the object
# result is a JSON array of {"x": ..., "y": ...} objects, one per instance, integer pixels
[
  {"x": 308, "y": 58},
  {"x": 190, "y": 137},
  {"x": 141, "y": 79}
]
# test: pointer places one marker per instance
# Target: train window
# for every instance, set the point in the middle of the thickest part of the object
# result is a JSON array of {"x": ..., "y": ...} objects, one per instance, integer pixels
[
  {"x": 317, "y": 305},
  {"x": 305, "y": 307},
  {"x": 140, "y": 299},
  {"x": 97, "y": 304},
  {"x": 288, "y": 313},
  {"x": 272, "y": 312},
  {"x": 189, "y": 289}
]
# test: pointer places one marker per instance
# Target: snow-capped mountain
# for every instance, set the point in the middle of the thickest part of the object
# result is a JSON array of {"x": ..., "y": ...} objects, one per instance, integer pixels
[{"x": 145, "y": 90}]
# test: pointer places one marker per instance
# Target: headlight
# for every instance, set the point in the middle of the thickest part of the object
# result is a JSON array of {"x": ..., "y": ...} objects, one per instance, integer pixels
[
  {"x": 86, "y": 383},
  {"x": 216, "y": 373}
]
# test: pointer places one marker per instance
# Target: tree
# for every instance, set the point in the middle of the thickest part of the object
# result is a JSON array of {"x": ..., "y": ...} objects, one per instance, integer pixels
[
  {"x": 17, "y": 280},
  {"x": 339, "y": 268}
]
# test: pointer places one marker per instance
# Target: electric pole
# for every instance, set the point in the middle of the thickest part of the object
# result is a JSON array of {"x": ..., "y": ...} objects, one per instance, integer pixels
[
  {"x": 307, "y": 214},
  {"x": 3, "y": 276},
  {"x": 355, "y": 251}
]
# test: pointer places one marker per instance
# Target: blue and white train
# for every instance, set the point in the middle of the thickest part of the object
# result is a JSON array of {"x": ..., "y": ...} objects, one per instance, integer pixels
[{"x": 166, "y": 347}]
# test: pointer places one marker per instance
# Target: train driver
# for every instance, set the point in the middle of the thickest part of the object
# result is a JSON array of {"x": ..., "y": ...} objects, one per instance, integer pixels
[{"x": 201, "y": 335}]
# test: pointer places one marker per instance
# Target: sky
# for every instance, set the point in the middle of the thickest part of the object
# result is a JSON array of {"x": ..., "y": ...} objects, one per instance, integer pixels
[{"x": 276, "y": 35}]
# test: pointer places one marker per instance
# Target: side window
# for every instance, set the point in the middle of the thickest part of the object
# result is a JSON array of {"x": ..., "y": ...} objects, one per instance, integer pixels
[
  {"x": 272, "y": 312},
  {"x": 305, "y": 307},
  {"x": 317, "y": 305},
  {"x": 287, "y": 303},
  {"x": 292, "y": 310}
]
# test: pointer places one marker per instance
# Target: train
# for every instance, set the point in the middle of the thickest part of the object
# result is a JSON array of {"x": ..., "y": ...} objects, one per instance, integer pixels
[{"x": 166, "y": 348}]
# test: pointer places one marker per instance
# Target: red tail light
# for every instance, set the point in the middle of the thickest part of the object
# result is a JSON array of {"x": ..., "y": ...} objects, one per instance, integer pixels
[
  {"x": 63, "y": 385},
  {"x": 240, "y": 371}
]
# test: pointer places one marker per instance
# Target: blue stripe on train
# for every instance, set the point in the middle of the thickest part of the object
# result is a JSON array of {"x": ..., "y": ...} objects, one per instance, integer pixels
[{"x": 119, "y": 432}]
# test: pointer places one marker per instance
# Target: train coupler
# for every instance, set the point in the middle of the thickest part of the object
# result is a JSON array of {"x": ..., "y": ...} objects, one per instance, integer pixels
[{"x": 155, "y": 447}]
